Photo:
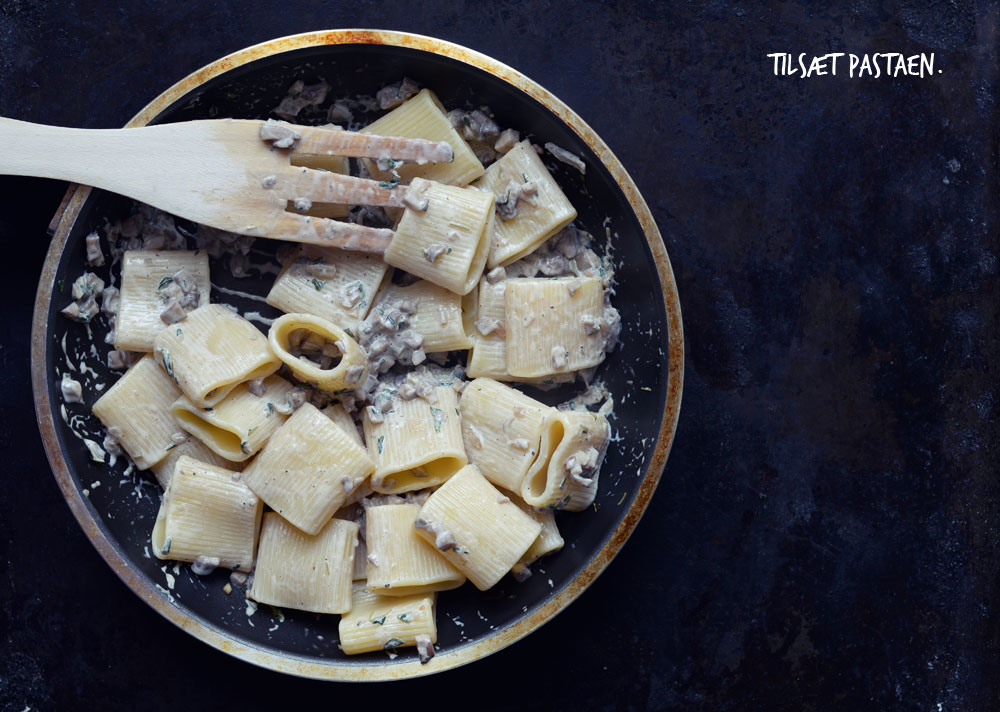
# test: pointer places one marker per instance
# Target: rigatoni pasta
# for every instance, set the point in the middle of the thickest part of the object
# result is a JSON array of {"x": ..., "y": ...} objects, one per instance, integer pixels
[
  {"x": 207, "y": 515},
  {"x": 437, "y": 315},
  {"x": 136, "y": 412},
  {"x": 488, "y": 339},
  {"x": 318, "y": 352},
  {"x": 424, "y": 117},
  {"x": 212, "y": 352},
  {"x": 238, "y": 426},
  {"x": 501, "y": 429},
  {"x": 565, "y": 474},
  {"x": 417, "y": 443},
  {"x": 476, "y": 527},
  {"x": 400, "y": 563},
  {"x": 307, "y": 469},
  {"x": 158, "y": 288},
  {"x": 386, "y": 622},
  {"x": 333, "y": 284},
  {"x": 530, "y": 205},
  {"x": 553, "y": 325},
  {"x": 310, "y": 573},
  {"x": 445, "y": 241}
]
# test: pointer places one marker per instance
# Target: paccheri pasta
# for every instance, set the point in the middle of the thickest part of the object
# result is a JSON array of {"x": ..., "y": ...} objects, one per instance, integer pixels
[{"x": 377, "y": 446}]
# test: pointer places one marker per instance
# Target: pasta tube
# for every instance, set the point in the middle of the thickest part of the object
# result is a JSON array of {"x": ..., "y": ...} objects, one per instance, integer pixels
[
  {"x": 207, "y": 513},
  {"x": 211, "y": 352},
  {"x": 476, "y": 527},
  {"x": 239, "y": 425},
  {"x": 318, "y": 352},
  {"x": 565, "y": 474},
  {"x": 386, "y": 622},
  {"x": 308, "y": 573}
]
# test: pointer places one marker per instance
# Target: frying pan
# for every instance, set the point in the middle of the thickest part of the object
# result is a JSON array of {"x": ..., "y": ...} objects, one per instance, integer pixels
[{"x": 116, "y": 507}]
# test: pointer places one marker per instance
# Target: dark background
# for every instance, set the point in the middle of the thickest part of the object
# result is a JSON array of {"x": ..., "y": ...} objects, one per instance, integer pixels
[{"x": 825, "y": 535}]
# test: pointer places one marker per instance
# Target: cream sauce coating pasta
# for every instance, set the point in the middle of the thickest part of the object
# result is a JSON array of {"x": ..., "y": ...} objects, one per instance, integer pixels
[{"x": 367, "y": 341}]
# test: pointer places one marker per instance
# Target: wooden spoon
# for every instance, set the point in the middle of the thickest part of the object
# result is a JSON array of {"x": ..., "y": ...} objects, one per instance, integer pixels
[{"x": 235, "y": 175}]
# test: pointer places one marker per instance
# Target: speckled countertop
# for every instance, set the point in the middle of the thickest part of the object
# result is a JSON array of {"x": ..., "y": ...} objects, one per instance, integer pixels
[{"x": 825, "y": 535}]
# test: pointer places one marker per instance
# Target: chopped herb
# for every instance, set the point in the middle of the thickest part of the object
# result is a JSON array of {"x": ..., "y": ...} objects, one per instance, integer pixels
[
  {"x": 438, "y": 415},
  {"x": 270, "y": 409},
  {"x": 180, "y": 332},
  {"x": 560, "y": 505},
  {"x": 381, "y": 313},
  {"x": 168, "y": 365},
  {"x": 388, "y": 184},
  {"x": 381, "y": 438},
  {"x": 166, "y": 547},
  {"x": 250, "y": 431},
  {"x": 164, "y": 282},
  {"x": 392, "y": 643},
  {"x": 318, "y": 284},
  {"x": 525, "y": 177},
  {"x": 276, "y": 612},
  {"x": 406, "y": 617},
  {"x": 245, "y": 447},
  {"x": 62, "y": 284},
  {"x": 377, "y": 621},
  {"x": 460, "y": 550},
  {"x": 349, "y": 333},
  {"x": 622, "y": 499},
  {"x": 171, "y": 446}
]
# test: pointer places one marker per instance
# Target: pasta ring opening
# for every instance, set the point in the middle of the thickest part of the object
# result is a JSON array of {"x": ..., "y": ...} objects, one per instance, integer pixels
[
  {"x": 318, "y": 352},
  {"x": 537, "y": 482},
  {"x": 223, "y": 442},
  {"x": 429, "y": 474}
]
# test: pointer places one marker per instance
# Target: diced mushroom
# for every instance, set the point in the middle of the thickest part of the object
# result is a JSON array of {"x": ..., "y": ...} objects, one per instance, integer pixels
[
  {"x": 280, "y": 135},
  {"x": 391, "y": 96},
  {"x": 321, "y": 270},
  {"x": 564, "y": 156},
  {"x": 72, "y": 392},
  {"x": 591, "y": 324},
  {"x": 256, "y": 387},
  {"x": 486, "y": 325},
  {"x": 173, "y": 313},
  {"x": 425, "y": 649},
  {"x": 95, "y": 257},
  {"x": 507, "y": 139},
  {"x": 204, "y": 565},
  {"x": 414, "y": 198}
]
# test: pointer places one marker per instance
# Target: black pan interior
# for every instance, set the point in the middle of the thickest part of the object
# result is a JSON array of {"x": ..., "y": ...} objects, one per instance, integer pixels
[{"x": 124, "y": 504}]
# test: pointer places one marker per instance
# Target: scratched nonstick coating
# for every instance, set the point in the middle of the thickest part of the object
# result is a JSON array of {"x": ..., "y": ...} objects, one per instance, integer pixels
[{"x": 124, "y": 505}]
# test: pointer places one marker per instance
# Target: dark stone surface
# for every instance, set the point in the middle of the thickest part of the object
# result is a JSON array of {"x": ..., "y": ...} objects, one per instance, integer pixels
[{"x": 825, "y": 535}]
